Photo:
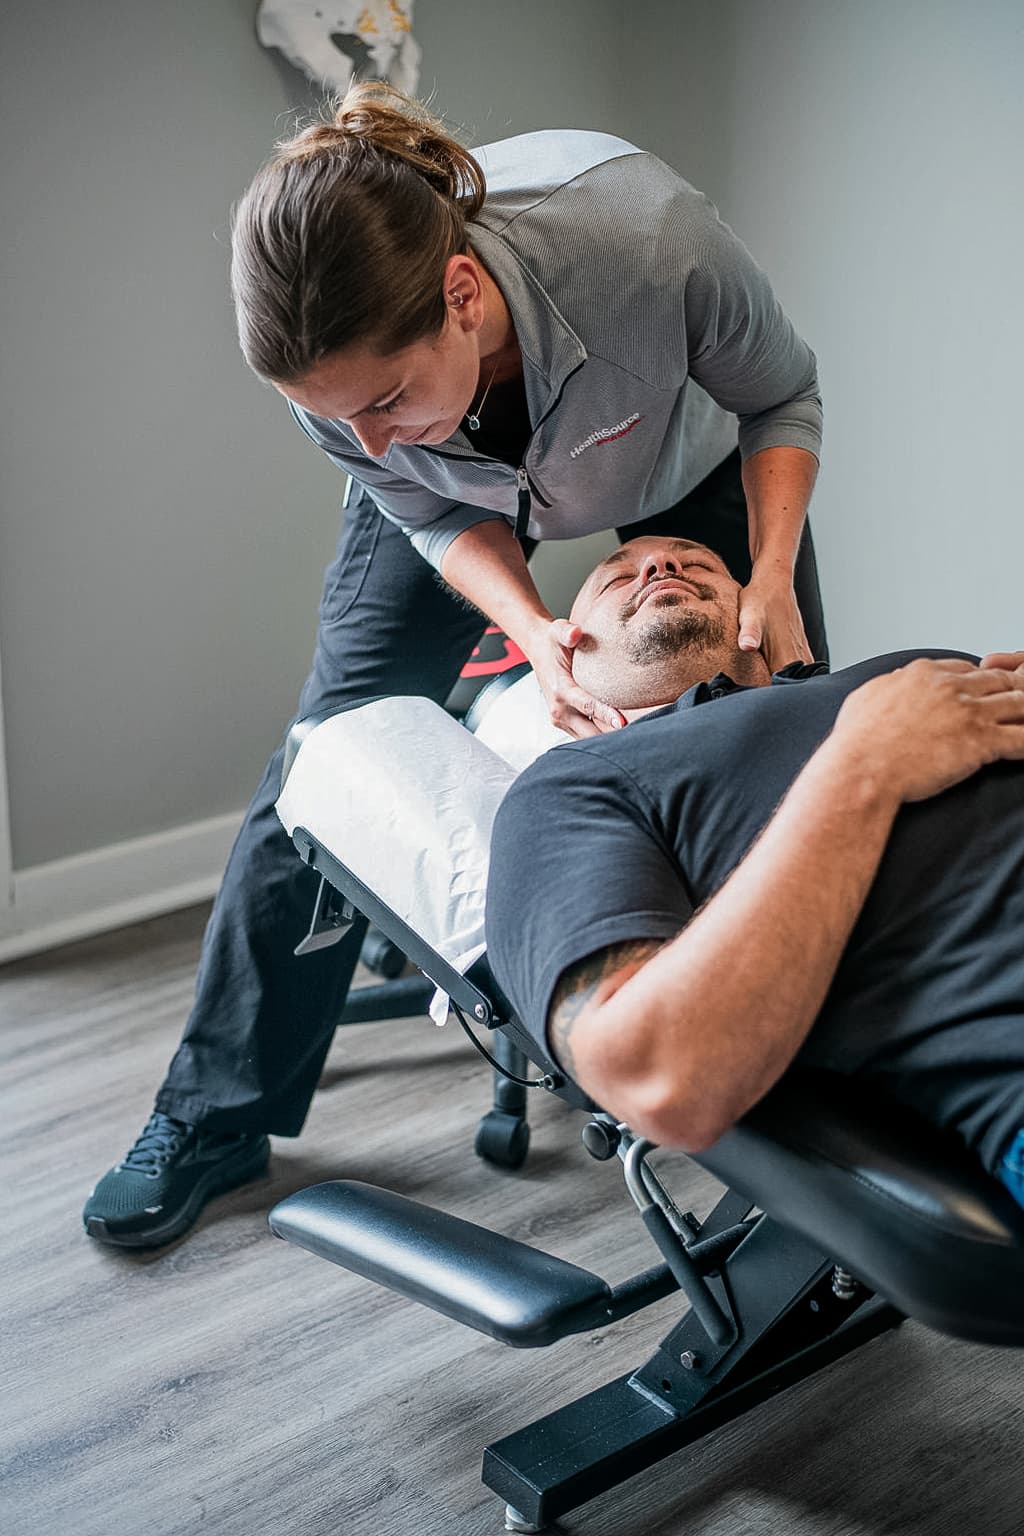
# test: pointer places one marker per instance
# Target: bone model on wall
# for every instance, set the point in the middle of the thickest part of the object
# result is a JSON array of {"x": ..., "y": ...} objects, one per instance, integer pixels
[{"x": 334, "y": 41}]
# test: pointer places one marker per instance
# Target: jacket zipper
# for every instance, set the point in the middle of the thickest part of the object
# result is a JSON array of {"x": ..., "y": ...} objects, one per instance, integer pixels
[
  {"x": 523, "y": 503},
  {"x": 524, "y": 485}
]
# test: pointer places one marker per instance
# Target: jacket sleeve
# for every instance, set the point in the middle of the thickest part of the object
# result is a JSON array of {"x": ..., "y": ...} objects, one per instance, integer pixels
[
  {"x": 740, "y": 345},
  {"x": 431, "y": 522}
]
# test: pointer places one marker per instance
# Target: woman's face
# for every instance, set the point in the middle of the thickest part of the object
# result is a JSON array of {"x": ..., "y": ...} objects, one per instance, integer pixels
[{"x": 417, "y": 395}]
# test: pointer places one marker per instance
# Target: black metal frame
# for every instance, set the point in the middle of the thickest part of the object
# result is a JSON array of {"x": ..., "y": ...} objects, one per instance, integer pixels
[
  {"x": 358, "y": 898},
  {"x": 342, "y": 899},
  {"x": 768, "y": 1308},
  {"x": 771, "y": 1305},
  {"x": 792, "y": 1320}
]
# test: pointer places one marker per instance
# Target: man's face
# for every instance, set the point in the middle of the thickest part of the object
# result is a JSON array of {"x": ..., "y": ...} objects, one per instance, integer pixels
[{"x": 649, "y": 612}]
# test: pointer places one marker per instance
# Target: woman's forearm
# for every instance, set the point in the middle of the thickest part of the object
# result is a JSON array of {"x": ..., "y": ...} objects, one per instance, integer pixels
[
  {"x": 487, "y": 565},
  {"x": 777, "y": 483}
]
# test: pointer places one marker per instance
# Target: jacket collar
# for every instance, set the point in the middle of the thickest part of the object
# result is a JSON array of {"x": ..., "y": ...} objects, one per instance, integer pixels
[{"x": 550, "y": 348}]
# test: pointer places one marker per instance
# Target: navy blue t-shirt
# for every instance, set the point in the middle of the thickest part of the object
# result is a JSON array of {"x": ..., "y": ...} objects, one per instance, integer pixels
[{"x": 624, "y": 835}]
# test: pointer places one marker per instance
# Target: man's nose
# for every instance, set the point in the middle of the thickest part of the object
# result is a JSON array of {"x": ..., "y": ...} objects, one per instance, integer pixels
[{"x": 656, "y": 566}]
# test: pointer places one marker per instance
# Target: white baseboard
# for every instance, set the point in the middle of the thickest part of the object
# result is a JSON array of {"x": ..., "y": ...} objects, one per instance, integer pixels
[{"x": 111, "y": 887}]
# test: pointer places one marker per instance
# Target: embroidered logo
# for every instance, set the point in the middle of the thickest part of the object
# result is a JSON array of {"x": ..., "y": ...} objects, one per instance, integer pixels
[{"x": 606, "y": 434}]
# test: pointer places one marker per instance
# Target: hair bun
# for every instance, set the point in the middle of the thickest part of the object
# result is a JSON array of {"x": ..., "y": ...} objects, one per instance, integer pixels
[{"x": 379, "y": 118}]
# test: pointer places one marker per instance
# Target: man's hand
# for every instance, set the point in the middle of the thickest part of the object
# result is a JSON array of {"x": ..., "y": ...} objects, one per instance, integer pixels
[
  {"x": 1005, "y": 661},
  {"x": 770, "y": 622},
  {"x": 924, "y": 728},
  {"x": 572, "y": 708}
]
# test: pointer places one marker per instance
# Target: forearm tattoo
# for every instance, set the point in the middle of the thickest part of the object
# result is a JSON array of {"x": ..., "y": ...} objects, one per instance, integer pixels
[{"x": 576, "y": 988}]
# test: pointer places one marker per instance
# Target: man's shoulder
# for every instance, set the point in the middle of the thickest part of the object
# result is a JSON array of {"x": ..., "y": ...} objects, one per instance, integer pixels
[
  {"x": 633, "y": 758},
  {"x": 891, "y": 661},
  {"x": 574, "y": 771},
  {"x": 566, "y": 764}
]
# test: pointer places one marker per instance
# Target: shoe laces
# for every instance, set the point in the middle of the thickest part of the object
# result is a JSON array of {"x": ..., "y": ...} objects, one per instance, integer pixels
[{"x": 161, "y": 1138}]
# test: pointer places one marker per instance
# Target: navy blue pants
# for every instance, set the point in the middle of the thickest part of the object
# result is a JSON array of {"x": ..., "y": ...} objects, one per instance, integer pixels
[{"x": 262, "y": 1022}]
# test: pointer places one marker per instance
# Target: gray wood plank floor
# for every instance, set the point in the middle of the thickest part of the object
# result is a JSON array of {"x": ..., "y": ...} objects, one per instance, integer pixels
[{"x": 235, "y": 1385}]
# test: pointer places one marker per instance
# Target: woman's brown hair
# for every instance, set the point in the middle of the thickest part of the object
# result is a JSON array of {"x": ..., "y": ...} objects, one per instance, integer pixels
[{"x": 344, "y": 235}]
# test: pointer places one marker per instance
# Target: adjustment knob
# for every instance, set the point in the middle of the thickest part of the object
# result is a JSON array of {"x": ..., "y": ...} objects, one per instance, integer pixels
[{"x": 601, "y": 1139}]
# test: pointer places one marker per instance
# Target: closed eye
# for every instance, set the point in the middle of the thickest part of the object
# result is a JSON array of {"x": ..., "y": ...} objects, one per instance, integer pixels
[
  {"x": 385, "y": 410},
  {"x": 626, "y": 575}
]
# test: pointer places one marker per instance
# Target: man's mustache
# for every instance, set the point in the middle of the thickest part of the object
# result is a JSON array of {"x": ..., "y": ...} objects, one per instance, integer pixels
[{"x": 698, "y": 587}]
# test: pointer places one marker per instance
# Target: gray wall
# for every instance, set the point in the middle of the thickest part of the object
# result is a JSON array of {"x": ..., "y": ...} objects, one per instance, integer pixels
[
  {"x": 160, "y": 528},
  {"x": 163, "y": 528},
  {"x": 870, "y": 155}
]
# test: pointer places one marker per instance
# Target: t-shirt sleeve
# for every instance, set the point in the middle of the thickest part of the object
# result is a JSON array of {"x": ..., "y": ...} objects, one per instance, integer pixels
[{"x": 577, "y": 863}]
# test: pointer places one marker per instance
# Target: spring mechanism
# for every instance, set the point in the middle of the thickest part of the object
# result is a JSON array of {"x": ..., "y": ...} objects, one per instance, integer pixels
[{"x": 844, "y": 1286}]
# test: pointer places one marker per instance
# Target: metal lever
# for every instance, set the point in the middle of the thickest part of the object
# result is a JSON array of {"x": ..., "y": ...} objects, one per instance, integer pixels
[
  {"x": 329, "y": 923},
  {"x": 720, "y": 1328}
]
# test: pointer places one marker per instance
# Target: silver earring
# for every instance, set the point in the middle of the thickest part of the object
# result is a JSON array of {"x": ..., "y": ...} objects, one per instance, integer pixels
[{"x": 456, "y": 298}]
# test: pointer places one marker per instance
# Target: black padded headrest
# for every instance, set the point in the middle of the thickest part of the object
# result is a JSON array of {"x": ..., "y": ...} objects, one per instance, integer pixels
[
  {"x": 904, "y": 1206},
  {"x": 491, "y": 692}
]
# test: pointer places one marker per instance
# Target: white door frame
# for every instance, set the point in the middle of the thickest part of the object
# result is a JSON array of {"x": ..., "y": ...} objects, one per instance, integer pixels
[{"x": 6, "y": 871}]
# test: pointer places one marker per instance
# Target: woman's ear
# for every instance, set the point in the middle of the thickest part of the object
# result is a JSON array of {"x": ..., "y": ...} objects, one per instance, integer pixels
[{"x": 463, "y": 291}]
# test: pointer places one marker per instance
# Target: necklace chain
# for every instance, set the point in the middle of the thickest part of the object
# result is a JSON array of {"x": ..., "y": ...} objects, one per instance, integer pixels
[{"x": 473, "y": 418}]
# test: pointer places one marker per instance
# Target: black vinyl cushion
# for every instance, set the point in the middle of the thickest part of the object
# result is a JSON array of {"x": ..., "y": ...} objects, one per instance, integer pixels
[
  {"x": 501, "y": 1287},
  {"x": 904, "y": 1206},
  {"x": 490, "y": 693}
]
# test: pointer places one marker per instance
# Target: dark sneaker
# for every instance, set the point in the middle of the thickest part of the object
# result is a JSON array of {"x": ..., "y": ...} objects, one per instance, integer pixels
[{"x": 158, "y": 1190}]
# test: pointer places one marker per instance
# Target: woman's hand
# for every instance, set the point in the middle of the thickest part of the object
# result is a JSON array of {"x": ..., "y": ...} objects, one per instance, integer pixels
[
  {"x": 486, "y": 564},
  {"x": 572, "y": 708},
  {"x": 770, "y": 622}
]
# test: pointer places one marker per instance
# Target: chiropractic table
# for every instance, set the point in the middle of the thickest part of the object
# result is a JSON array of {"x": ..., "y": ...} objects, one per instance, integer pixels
[{"x": 843, "y": 1212}]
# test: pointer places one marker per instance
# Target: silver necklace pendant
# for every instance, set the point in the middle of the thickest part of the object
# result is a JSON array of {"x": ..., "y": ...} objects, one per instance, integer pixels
[{"x": 473, "y": 418}]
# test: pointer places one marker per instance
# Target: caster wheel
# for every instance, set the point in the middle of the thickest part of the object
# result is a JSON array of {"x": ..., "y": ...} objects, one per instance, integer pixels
[
  {"x": 502, "y": 1139},
  {"x": 382, "y": 957}
]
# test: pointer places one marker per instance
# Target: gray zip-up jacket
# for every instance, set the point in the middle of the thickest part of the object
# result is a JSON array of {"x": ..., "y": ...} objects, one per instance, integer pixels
[{"x": 646, "y": 329}]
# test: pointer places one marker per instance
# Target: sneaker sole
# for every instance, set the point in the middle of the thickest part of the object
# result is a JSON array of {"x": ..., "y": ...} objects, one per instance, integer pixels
[{"x": 221, "y": 1178}]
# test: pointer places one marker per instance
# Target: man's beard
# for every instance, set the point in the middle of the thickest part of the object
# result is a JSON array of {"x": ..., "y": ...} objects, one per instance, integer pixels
[{"x": 673, "y": 632}]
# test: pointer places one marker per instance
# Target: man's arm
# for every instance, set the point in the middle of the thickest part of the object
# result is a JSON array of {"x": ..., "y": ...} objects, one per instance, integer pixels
[
  {"x": 578, "y": 985},
  {"x": 682, "y": 1042}
]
